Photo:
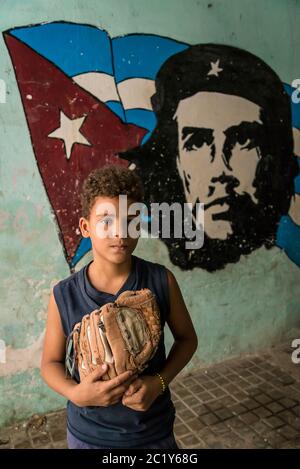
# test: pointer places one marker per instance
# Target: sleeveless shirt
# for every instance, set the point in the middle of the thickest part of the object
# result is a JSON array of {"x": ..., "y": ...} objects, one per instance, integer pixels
[{"x": 118, "y": 426}]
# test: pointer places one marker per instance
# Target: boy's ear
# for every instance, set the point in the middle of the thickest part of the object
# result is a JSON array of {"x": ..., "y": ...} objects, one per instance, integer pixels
[{"x": 84, "y": 227}]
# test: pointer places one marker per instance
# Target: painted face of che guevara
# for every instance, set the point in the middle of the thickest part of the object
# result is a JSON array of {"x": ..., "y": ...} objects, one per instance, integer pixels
[{"x": 218, "y": 151}]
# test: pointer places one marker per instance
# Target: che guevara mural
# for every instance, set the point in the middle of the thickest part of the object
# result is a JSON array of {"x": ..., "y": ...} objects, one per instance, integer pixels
[{"x": 206, "y": 123}]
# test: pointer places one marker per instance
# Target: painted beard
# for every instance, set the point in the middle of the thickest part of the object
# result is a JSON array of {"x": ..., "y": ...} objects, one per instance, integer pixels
[{"x": 253, "y": 225}]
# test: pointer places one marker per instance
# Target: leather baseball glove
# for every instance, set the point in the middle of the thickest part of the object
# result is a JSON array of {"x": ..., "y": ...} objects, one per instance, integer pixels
[{"x": 124, "y": 334}]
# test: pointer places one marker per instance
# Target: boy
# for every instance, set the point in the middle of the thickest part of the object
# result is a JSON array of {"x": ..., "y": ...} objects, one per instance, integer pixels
[{"x": 128, "y": 411}]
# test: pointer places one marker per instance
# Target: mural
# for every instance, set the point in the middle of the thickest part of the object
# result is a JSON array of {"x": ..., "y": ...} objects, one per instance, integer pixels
[
  {"x": 204, "y": 123},
  {"x": 224, "y": 138}
]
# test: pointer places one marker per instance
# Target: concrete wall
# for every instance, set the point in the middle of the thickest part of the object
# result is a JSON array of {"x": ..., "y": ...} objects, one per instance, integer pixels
[{"x": 246, "y": 305}]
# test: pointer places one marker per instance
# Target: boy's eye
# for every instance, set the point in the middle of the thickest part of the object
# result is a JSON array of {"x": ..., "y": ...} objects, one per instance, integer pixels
[{"x": 107, "y": 221}]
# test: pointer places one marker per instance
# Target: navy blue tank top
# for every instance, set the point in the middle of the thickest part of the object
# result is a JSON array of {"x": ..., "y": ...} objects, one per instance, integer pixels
[{"x": 118, "y": 426}]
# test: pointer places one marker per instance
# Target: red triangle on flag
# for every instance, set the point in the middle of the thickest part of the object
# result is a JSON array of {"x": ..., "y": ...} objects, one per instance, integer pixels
[{"x": 86, "y": 134}]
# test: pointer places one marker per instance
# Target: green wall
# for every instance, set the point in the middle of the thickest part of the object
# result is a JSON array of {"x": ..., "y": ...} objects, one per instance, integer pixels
[{"x": 246, "y": 307}]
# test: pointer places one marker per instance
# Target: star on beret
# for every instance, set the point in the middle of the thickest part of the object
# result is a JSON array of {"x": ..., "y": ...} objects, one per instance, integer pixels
[{"x": 215, "y": 69}]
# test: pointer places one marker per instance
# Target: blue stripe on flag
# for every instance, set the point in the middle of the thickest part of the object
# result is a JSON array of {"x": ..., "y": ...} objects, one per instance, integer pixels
[
  {"x": 142, "y": 55},
  {"x": 288, "y": 238},
  {"x": 74, "y": 48},
  {"x": 117, "y": 108},
  {"x": 294, "y": 106},
  {"x": 84, "y": 247},
  {"x": 143, "y": 118}
]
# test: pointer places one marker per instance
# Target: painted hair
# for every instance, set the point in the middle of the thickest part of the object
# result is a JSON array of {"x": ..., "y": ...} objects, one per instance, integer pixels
[{"x": 241, "y": 73}]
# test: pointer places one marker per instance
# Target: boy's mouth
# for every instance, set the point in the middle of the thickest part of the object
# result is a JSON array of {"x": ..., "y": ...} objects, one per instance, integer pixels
[{"x": 121, "y": 247}]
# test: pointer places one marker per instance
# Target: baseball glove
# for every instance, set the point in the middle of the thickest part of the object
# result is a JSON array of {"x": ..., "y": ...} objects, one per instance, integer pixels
[{"x": 124, "y": 334}]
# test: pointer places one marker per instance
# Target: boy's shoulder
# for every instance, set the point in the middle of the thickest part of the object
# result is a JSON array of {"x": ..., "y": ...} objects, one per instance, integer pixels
[
  {"x": 152, "y": 265},
  {"x": 72, "y": 279}
]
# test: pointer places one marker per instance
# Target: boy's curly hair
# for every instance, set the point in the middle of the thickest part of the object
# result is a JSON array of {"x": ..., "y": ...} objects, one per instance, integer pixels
[{"x": 110, "y": 181}]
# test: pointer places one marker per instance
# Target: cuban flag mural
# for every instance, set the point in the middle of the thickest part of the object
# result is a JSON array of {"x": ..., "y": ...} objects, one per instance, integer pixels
[
  {"x": 86, "y": 97},
  {"x": 90, "y": 100}
]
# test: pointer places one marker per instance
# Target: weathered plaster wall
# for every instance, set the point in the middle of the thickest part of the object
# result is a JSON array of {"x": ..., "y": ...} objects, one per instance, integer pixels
[{"x": 246, "y": 306}]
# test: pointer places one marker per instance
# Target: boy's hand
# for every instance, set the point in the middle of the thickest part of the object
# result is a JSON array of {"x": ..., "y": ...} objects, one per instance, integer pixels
[
  {"x": 142, "y": 392},
  {"x": 92, "y": 391}
]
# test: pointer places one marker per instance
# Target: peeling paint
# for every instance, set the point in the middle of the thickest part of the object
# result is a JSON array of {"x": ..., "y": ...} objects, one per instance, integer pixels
[
  {"x": 22, "y": 359},
  {"x": 2, "y": 351},
  {"x": 261, "y": 292}
]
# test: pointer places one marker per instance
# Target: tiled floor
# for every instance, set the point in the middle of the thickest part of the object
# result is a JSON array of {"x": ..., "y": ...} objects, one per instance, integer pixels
[{"x": 253, "y": 402}]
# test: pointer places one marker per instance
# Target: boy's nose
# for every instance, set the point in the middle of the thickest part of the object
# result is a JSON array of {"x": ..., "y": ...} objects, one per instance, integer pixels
[{"x": 120, "y": 231}]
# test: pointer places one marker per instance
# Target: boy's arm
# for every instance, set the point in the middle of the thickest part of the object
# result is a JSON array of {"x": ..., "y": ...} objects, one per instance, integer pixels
[
  {"x": 91, "y": 391},
  {"x": 53, "y": 356},
  {"x": 145, "y": 389},
  {"x": 185, "y": 337}
]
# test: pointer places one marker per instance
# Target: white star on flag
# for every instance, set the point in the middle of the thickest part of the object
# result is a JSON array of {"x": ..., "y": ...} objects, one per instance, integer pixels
[
  {"x": 215, "y": 69},
  {"x": 69, "y": 132}
]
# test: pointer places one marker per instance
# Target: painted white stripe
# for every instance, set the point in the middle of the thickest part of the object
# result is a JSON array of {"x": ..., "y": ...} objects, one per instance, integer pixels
[
  {"x": 296, "y": 133},
  {"x": 136, "y": 93},
  {"x": 101, "y": 85}
]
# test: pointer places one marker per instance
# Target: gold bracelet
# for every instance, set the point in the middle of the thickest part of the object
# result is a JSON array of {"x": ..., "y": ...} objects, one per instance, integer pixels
[{"x": 162, "y": 382}]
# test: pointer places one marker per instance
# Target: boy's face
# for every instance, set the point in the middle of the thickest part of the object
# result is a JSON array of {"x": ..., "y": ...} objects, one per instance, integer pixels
[{"x": 107, "y": 226}]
